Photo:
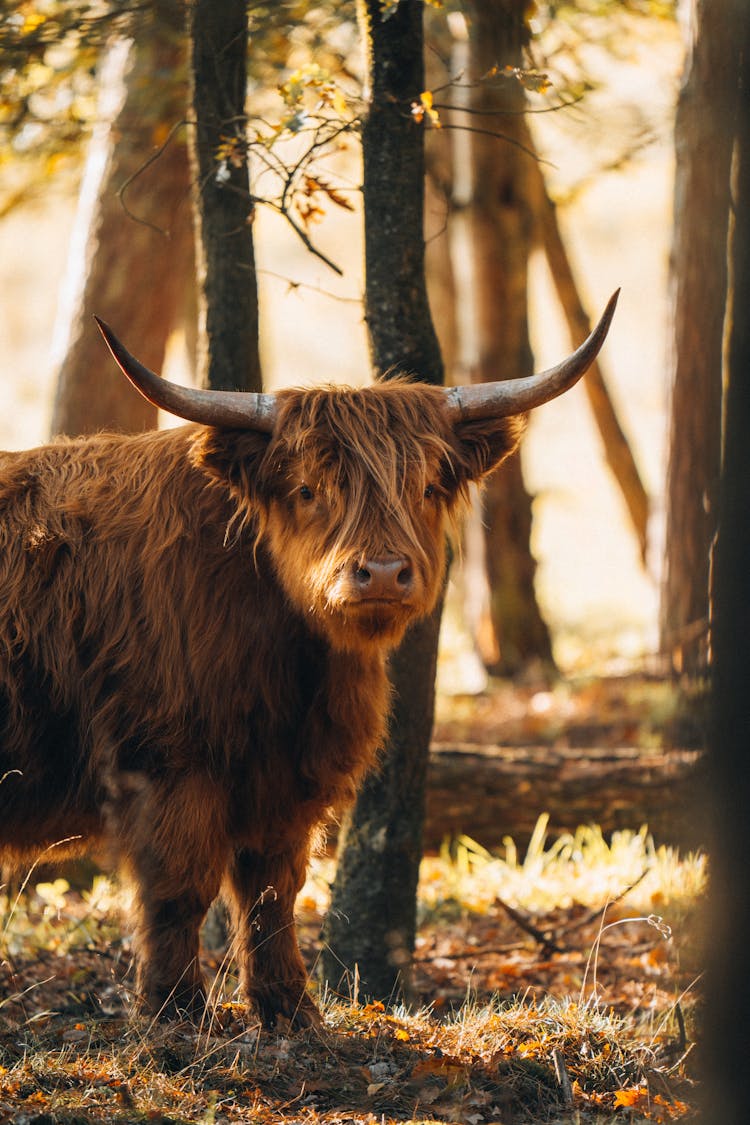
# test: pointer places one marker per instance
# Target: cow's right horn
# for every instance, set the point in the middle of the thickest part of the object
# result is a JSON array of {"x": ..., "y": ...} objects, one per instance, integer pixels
[
  {"x": 240, "y": 410},
  {"x": 516, "y": 396}
]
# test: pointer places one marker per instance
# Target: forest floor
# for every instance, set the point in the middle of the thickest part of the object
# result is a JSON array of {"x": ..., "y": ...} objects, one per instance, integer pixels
[{"x": 558, "y": 984}]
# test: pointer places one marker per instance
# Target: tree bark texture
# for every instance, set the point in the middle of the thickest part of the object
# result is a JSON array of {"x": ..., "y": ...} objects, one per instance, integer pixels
[
  {"x": 503, "y": 226},
  {"x": 140, "y": 254},
  {"x": 370, "y": 927},
  {"x": 703, "y": 145},
  {"x": 402, "y": 337},
  {"x": 229, "y": 358},
  {"x": 727, "y": 1028},
  {"x": 492, "y": 792}
]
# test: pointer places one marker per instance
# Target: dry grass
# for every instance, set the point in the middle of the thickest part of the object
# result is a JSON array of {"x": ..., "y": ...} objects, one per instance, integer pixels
[{"x": 70, "y": 1052}]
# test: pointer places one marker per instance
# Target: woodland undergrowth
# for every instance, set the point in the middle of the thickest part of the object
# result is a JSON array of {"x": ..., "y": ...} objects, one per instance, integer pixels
[{"x": 559, "y": 987}]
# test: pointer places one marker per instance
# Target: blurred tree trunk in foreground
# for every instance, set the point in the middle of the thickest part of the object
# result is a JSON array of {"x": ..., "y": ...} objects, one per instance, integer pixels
[
  {"x": 502, "y": 232},
  {"x": 703, "y": 143},
  {"x": 370, "y": 927},
  {"x": 139, "y": 253},
  {"x": 727, "y": 1090}
]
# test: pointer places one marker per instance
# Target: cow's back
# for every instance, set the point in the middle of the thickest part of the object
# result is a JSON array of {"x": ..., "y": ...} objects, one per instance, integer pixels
[{"x": 115, "y": 591}]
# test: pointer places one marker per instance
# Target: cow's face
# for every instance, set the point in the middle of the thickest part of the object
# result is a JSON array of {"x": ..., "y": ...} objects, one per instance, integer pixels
[
  {"x": 350, "y": 492},
  {"x": 352, "y": 497}
]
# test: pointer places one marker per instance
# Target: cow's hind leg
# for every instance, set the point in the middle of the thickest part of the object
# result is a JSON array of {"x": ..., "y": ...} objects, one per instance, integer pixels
[
  {"x": 262, "y": 890},
  {"x": 173, "y": 841}
]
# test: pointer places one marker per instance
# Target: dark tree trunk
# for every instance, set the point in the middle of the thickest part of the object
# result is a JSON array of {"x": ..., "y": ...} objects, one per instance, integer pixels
[
  {"x": 138, "y": 259},
  {"x": 396, "y": 307},
  {"x": 502, "y": 223},
  {"x": 224, "y": 204},
  {"x": 371, "y": 925},
  {"x": 728, "y": 986},
  {"x": 227, "y": 340},
  {"x": 703, "y": 143}
]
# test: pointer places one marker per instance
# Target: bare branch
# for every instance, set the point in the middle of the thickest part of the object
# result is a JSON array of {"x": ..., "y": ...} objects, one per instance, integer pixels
[{"x": 139, "y": 172}]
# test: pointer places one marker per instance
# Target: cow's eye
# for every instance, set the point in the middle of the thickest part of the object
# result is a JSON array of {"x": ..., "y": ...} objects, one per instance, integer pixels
[
  {"x": 306, "y": 493},
  {"x": 429, "y": 491}
]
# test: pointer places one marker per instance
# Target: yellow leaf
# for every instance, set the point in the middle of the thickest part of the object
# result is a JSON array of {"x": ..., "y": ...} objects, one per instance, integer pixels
[
  {"x": 424, "y": 107},
  {"x": 452, "y": 1072},
  {"x": 632, "y": 1096},
  {"x": 530, "y": 1048}
]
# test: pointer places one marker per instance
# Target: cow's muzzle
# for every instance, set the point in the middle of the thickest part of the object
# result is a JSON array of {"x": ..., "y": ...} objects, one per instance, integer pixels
[{"x": 384, "y": 580}]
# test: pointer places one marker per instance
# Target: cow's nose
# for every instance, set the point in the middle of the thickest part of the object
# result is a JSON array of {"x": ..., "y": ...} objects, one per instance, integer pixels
[{"x": 389, "y": 579}]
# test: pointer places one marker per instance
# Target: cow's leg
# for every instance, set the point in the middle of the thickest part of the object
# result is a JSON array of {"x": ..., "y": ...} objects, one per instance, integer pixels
[
  {"x": 262, "y": 890},
  {"x": 172, "y": 837}
]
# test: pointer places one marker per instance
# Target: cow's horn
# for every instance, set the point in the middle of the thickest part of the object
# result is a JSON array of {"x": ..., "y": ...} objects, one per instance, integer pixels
[
  {"x": 516, "y": 396},
  {"x": 241, "y": 410}
]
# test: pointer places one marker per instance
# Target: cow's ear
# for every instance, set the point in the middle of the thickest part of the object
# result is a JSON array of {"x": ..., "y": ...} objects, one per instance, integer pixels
[
  {"x": 232, "y": 456},
  {"x": 484, "y": 444}
]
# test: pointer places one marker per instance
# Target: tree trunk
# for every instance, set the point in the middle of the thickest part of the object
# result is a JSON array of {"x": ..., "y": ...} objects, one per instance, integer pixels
[
  {"x": 227, "y": 341},
  {"x": 140, "y": 246},
  {"x": 728, "y": 985},
  {"x": 703, "y": 144},
  {"x": 502, "y": 223},
  {"x": 370, "y": 927},
  {"x": 230, "y": 357}
]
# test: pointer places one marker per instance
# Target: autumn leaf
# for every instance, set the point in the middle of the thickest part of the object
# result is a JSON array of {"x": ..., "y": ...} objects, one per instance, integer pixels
[
  {"x": 451, "y": 1071},
  {"x": 530, "y": 1049},
  {"x": 424, "y": 108},
  {"x": 332, "y": 96},
  {"x": 314, "y": 184},
  {"x": 231, "y": 150},
  {"x": 533, "y": 80}
]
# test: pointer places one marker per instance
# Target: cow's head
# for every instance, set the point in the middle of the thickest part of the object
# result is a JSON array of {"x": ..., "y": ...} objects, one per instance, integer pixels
[{"x": 351, "y": 491}]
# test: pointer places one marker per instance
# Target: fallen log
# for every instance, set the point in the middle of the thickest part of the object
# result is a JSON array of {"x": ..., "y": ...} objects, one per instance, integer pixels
[{"x": 491, "y": 792}]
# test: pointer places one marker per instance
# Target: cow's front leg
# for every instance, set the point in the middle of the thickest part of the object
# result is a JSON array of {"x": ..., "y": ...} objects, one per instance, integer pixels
[
  {"x": 171, "y": 839},
  {"x": 273, "y": 977},
  {"x": 169, "y": 981}
]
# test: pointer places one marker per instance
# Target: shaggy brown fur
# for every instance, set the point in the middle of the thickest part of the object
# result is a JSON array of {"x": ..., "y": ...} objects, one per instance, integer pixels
[{"x": 185, "y": 669}]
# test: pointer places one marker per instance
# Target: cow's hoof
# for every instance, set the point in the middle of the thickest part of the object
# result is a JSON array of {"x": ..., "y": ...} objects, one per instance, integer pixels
[
  {"x": 185, "y": 1006},
  {"x": 277, "y": 1006}
]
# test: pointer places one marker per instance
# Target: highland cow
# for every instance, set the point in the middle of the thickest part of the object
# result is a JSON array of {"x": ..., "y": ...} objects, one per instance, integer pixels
[{"x": 194, "y": 627}]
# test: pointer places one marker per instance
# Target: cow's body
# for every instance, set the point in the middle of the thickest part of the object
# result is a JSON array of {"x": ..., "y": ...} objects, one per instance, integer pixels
[
  {"x": 161, "y": 689},
  {"x": 194, "y": 626}
]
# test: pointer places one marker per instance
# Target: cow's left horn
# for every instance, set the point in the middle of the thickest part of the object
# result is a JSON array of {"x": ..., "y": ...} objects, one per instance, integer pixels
[
  {"x": 241, "y": 410},
  {"x": 516, "y": 396}
]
